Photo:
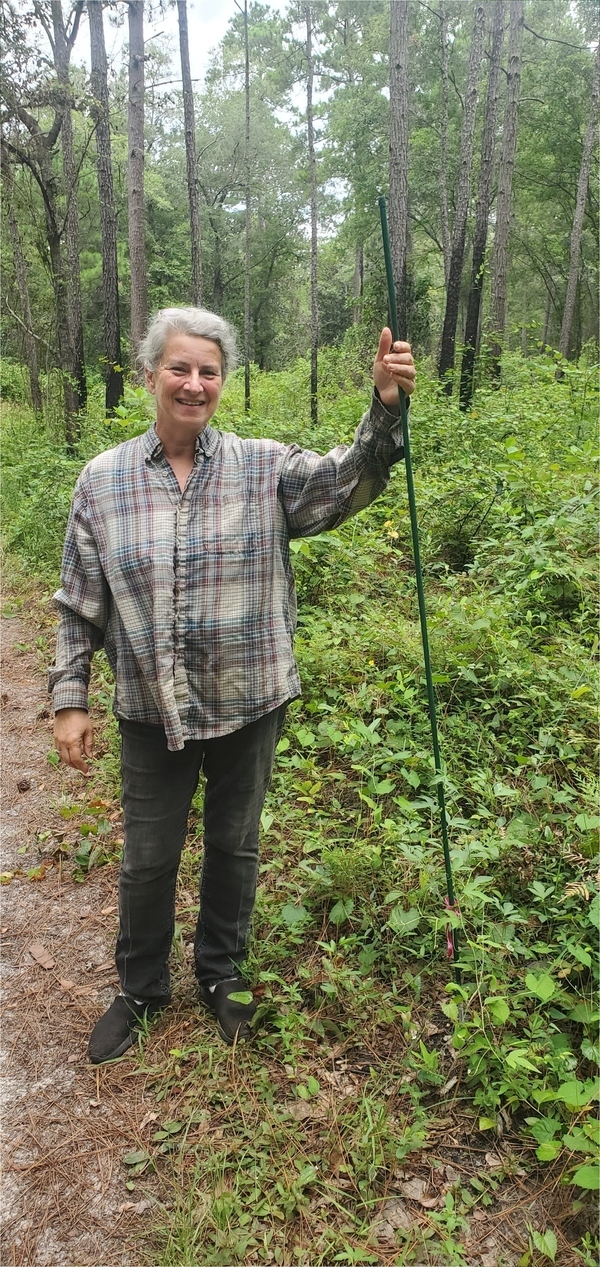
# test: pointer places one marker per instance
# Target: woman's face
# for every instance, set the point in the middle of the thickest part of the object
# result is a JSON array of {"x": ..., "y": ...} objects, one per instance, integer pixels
[{"x": 187, "y": 384}]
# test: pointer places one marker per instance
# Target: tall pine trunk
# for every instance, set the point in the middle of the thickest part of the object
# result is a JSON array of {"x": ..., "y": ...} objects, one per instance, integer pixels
[
  {"x": 62, "y": 54},
  {"x": 108, "y": 219},
  {"x": 505, "y": 179},
  {"x": 444, "y": 219},
  {"x": 189, "y": 121},
  {"x": 248, "y": 217},
  {"x": 135, "y": 176},
  {"x": 398, "y": 200},
  {"x": 459, "y": 234},
  {"x": 358, "y": 283},
  {"x": 22, "y": 284},
  {"x": 577, "y": 229},
  {"x": 314, "y": 298},
  {"x": 482, "y": 213}
]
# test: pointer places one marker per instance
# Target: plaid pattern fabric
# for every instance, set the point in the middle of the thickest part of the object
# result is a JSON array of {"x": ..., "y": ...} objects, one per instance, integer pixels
[{"x": 192, "y": 594}]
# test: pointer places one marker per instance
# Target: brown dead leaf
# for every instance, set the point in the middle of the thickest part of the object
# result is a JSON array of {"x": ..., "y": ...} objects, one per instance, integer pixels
[
  {"x": 414, "y": 1189},
  {"x": 95, "y": 1104},
  {"x": 72, "y": 1059},
  {"x": 24, "y": 785},
  {"x": 66, "y": 985},
  {"x": 134, "y": 1207},
  {"x": 150, "y": 1117},
  {"x": 108, "y": 910},
  {"x": 41, "y": 955},
  {"x": 105, "y": 967},
  {"x": 492, "y": 1161}
]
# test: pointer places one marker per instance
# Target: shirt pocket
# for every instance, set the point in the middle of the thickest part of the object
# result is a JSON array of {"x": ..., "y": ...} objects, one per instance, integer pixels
[{"x": 228, "y": 528}]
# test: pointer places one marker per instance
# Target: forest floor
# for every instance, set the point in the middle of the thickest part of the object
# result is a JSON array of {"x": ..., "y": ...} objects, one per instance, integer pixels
[{"x": 69, "y": 1197}]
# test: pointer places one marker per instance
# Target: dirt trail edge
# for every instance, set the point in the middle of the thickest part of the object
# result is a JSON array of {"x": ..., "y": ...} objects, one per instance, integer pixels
[{"x": 65, "y": 1125}]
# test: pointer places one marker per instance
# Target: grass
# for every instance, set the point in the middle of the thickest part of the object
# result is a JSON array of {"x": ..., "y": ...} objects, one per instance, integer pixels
[{"x": 372, "y": 1070}]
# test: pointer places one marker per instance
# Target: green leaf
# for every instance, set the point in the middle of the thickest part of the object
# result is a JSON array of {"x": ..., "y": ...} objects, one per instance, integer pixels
[
  {"x": 549, "y": 1150},
  {"x": 576, "y": 1093},
  {"x": 516, "y": 1060},
  {"x": 546, "y": 1242},
  {"x": 487, "y": 1124},
  {"x": 594, "y": 912},
  {"x": 52, "y": 757},
  {"x": 587, "y": 1177},
  {"x": 134, "y": 1159},
  {"x": 544, "y": 1128},
  {"x": 402, "y": 921},
  {"x": 241, "y": 996},
  {"x": 587, "y": 822},
  {"x": 341, "y": 911},
  {"x": 543, "y": 987},
  {"x": 293, "y": 915},
  {"x": 498, "y": 1009}
]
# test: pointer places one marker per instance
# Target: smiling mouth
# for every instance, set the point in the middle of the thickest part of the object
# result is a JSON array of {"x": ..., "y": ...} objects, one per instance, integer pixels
[{"x": 190, "y": 404}]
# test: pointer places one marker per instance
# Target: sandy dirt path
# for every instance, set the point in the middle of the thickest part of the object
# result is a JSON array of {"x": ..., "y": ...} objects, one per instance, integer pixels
[{"x": 65, "y": 1126}]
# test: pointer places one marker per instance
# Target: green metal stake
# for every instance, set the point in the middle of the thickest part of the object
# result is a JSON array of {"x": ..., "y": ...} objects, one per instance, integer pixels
[{"x": 451, "y": 937}]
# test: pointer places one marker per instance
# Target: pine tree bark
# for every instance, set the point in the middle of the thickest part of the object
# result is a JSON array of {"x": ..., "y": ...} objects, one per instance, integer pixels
[
  {"x": 314, "y": 298},
  {"x": 482, "y": 212},
  {"x": 358, "y": 283},
  {"x": 108, "y": 219},
  {"x": 398, "y": 200},
  {"x": 248, "y": 217},
  {"x": 577, "y": 229},
  {"x": 189, "y": 122},
  {"x": 135, "y": 176},
  {"x": 444, "y": 219},
  {"x": 22, "y": 284},
  {"x": 505, "y": 179},
  {"x": 459, "y": 234},
  {"x": 62, "y": 46}
]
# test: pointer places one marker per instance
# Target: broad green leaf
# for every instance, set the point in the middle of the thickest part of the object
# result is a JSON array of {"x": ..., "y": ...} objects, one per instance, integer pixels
[
  {"x": 587, "y": 822},
  {"x": 313, "y": 1086},
  {"x": 487, "y": 1124},
  {"x": 543, "y": 987},
  {"x": 546, "y": 1242},
  {"x": 587, "y": 1177},
  {"x": 498, "y": 1009},
  {"x": 293, "y": 915},
  {"x": 549, "y": 1150},
  {"x": 341, "y": 911},
  {"x": 516, "y": 1060},
  {"x": 594, "y": 912},
  {"x": 576, "y": 1093},
  {"x": 241, "y": 996},
  {"x": 402, "y": 921},
  {"x": 544, "y": 1128},
  {"x": 134, "y": 1159}
]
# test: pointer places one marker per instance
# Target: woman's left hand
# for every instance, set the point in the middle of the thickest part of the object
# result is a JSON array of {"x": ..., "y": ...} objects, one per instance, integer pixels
[{"x": 393, "y": 368}]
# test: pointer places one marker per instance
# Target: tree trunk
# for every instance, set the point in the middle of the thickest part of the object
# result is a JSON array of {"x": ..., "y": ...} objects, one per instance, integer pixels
[
  {"x": 444, "y": 221},
  {"x": 23, "y": 288},
  {"x": 358, "y": 283},
  {"x": 457, "y": 256},
  {"x": 398, "y": 201},
  {"x": 62, "y": 54},
  {"x": 582, "y": 187},
  {"x": 314, "y": 299},
  {"x": 505, "y": 177},
  {"x": 108, "y": 219},
  {"x": 190, "y": 153},
  {"x": 248, "y": 218},
  {"x": 135, "y": 176},
  {"x": 482, "y": 212}
]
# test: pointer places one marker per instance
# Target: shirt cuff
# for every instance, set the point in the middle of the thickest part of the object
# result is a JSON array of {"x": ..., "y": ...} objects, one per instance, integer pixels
[{"x": 72, "y": 694}]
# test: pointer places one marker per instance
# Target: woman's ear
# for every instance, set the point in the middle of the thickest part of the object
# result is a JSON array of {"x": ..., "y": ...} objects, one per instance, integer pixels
[{"x": 149, "y": 376}]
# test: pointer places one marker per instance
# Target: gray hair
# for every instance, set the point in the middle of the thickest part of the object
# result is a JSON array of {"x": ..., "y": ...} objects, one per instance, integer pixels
[{"x": 194, "y": 321}]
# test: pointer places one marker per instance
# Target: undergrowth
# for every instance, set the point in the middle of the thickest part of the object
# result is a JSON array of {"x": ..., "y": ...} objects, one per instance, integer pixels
[{"x": 289, "y": 1152}]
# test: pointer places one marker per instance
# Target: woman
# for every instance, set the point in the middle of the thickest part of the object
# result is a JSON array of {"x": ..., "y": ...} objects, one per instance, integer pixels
[{"x": 176, "y": 561}]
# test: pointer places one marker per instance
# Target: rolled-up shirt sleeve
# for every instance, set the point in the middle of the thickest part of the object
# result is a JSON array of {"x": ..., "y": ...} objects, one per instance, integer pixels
[
  {"x": 83, "y": 604},
  {"x": 319, "y": 493}
]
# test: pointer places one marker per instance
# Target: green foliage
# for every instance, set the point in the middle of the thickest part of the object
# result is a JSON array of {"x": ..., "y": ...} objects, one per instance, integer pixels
[{"x": 350, "y": 919}]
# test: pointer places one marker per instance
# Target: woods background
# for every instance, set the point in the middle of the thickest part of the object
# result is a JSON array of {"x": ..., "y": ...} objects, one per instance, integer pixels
[{"x": 127, "y": 189}]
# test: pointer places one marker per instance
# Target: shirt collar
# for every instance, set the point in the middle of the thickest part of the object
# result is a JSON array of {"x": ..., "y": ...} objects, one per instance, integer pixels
[{"x": 206, "y": 442}]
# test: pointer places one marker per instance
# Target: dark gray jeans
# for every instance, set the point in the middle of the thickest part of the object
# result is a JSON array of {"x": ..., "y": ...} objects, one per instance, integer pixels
[{"x": 158, "y": 787}]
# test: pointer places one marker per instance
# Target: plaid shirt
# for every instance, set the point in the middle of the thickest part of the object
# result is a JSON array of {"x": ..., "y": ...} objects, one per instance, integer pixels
[{"x": 192, "y": 594}]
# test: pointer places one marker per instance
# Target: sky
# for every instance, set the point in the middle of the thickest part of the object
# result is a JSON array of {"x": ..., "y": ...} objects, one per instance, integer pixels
[{"x": 207, "y": 23}]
